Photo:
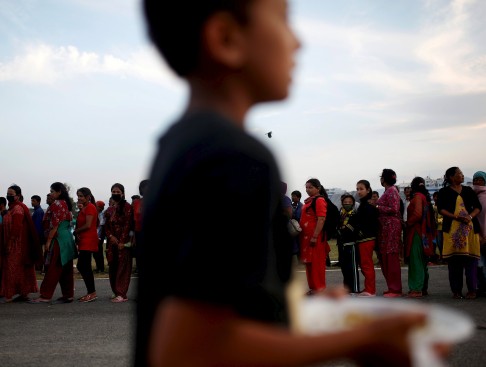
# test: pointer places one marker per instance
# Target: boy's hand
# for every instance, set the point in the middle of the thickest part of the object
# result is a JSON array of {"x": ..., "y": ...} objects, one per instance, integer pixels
[{"x": 389, "y": 344}]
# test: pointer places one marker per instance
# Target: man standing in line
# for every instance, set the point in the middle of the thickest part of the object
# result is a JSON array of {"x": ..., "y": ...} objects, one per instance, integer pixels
[
  {"x": 407, "y": 190},
  {"x": 37, "y": 216}
]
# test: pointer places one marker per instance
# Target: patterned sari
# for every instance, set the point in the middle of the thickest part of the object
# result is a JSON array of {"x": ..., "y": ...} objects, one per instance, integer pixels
[{"x": 461, "y": 239}]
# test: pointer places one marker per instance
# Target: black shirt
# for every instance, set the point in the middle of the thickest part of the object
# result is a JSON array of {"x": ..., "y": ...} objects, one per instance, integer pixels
[{"x": 214, "y": 230}]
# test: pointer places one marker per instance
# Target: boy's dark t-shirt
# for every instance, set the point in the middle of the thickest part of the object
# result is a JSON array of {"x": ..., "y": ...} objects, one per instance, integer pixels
[{"x": 214, "y": 229}]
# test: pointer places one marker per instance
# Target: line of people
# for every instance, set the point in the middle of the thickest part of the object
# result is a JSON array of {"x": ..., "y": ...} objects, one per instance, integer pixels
[
  {"x": 454, "y": 223},
  {"x": 48, "y": 241}
]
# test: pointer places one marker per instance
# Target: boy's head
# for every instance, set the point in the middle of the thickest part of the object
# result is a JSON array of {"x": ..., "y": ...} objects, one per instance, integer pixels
[
  {"x": 35, "y": 201},
  {"x": 176, "y": 27},
  {"x": 215, "y": 39}
]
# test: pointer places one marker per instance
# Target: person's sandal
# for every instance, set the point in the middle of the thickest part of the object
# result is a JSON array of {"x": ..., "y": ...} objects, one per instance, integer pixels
[
  {"x": 414, "y": 294},
  {"x": 119, "y": 299},
  {"x": 471, "y": 295},
  {"x": 88, "y": 298}
]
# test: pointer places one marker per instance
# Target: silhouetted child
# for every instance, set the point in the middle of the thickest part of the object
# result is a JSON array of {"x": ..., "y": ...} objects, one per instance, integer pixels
[{"x": 212, "y": 282}]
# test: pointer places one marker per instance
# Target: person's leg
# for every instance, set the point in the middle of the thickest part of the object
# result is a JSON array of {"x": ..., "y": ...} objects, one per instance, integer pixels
[
  {"x": 310, "y": 279},
  {"x": 53, "y": 273},
  {"x": 454, "y": 265},
  {"x": 346, "y": 266},
  {"x": 394, "y": 271},
  {"x": 367, "y": 266},
  {"x": 416, "y": 268},
  {"x": 86, "y": 270},
  {"x": 124, "y": 273},
  {"x": 98, "y": 257},
  {"x": 384, "y": 268},
  {"x": 355, "y": 267},
  {"x": 66, "y": 280},
  {"x": 471, "y": 267},
  {"x": 440, "y": 243},
  {"x": 113, "y": 268},
  {"x": 319, "y": 267}
]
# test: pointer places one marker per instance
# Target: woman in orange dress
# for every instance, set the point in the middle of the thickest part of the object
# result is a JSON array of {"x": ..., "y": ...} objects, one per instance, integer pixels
[{"x": 313, "y": 244}]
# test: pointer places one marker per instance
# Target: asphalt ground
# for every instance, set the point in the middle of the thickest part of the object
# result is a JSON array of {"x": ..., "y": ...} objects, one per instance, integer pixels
[{"x": 100, "y": 333}]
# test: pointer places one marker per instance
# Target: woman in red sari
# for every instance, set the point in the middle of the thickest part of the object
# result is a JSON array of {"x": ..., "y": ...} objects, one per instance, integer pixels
[
  {"x": 18, "y": 267},
  {"x": 118, "y": 223},
  {"x": 313, "y": 244},
  {"x": 60, "y": 248},
  {"x": 390, "y": 233}
]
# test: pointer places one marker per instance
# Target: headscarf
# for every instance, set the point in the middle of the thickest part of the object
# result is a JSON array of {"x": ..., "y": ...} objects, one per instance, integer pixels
[{"x": 480, "y": 174}]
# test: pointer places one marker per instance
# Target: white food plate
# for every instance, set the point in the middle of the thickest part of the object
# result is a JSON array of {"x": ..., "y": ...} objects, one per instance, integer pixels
[{"x": 318, "y": 315}]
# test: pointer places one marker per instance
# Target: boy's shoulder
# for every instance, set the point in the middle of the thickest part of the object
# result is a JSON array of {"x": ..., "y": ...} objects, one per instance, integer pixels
[{"x": 207, "y": 133}]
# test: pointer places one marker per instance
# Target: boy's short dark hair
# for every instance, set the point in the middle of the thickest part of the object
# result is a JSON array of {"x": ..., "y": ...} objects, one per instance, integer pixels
[
  {"x": 296, "y": 193},
  {"x": 37, "y": 198},
  {"x": 3, "y": 201},
  {"x": 175, "y": 27}
]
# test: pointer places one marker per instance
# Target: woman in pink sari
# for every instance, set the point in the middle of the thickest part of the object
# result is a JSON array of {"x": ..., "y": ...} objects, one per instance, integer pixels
[
  {"x": 389, "y": 234},
  {"x": 18, "y": 248}
]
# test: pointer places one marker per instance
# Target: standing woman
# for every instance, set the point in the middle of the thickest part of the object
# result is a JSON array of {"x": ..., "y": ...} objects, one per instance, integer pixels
[
  {"x": 313, "y": 244},
  {"x": 420, "y": 234},
  {"x": 60, "y": 247},
  {"x": 459, "y": 205},
  {"x": 390, "y": 233},
  {"x": 367, "y": 230},
  {"x": 117, "y": 226},
  {"x": 18, "y": 269},
  {"x": 86, "y": 234}
]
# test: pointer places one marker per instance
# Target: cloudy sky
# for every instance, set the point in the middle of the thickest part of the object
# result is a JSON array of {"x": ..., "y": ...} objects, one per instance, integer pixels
[{"x": 380, "y": 84}]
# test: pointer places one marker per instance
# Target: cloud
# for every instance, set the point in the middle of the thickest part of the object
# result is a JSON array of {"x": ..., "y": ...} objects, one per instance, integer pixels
[
  {"x": 47, "y": 64},
  {"x": 455, "y": 56},
  {"x": 444, "y": 53}
]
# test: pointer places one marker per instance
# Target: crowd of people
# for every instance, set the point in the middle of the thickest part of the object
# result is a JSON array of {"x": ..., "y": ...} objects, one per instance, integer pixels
[
  {"x": 215, "y": 296},
  {"x": 450, "y": 228},
  {"x": 419, "y": 230},
  {"x": 50, "y": 242}
]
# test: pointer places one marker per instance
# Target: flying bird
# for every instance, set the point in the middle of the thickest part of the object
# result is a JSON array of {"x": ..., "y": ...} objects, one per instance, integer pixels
[{"x": 269, "y": 134}]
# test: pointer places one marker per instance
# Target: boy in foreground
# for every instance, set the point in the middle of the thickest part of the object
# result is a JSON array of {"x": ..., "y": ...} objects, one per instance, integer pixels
[{"x": 212, "y": 280}]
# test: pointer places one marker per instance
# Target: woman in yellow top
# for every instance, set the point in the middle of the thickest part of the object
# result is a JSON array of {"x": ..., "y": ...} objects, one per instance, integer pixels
[{"x": 459, "y": 206}]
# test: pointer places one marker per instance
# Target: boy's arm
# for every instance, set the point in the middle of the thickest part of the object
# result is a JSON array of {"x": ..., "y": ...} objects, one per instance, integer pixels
[{"x": 194, "y": 334}]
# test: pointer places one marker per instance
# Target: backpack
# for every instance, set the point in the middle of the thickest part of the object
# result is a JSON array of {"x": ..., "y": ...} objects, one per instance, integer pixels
[{"x": 332, "y": 217}]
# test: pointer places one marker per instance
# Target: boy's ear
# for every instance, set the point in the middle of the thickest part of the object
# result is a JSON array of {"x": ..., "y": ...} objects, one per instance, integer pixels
[{"x": 223, "y": 40}]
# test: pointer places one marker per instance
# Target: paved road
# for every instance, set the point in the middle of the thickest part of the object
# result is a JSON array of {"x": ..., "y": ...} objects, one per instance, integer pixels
[{"x": 100, "y": 333}]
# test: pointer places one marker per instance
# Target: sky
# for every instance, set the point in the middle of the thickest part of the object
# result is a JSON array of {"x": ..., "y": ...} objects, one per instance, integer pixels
[{"x": 379, "y": 84}]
